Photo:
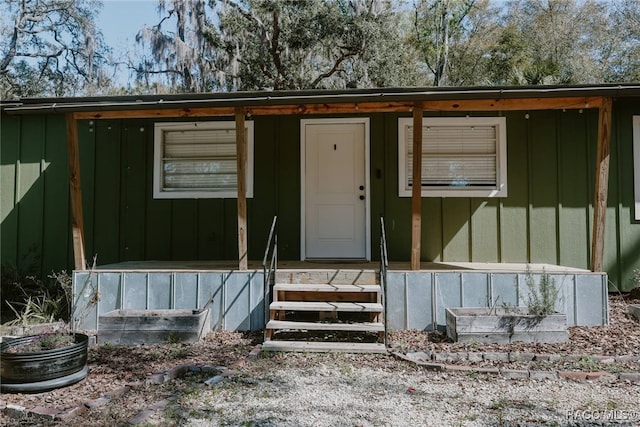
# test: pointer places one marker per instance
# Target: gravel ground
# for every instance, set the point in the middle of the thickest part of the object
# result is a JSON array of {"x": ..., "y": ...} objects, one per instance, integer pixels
[
  {"x": 350, "y": 390},
  {"x": 343, "y": 390}
]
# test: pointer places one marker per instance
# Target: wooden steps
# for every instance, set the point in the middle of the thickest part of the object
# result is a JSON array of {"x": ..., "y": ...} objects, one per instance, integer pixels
[
  {"x": 326, "y": 310},
  {"x": 326, "y": 306},
  {"x": 322, "y": 287},
  {"x": 325, "y": 326},
  {"x": 323, "y": 347},
  {"x": 332, "y": 277}
]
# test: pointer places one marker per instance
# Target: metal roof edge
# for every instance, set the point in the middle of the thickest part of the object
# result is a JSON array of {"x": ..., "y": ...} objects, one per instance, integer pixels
[{"x": 262, "y": 98}]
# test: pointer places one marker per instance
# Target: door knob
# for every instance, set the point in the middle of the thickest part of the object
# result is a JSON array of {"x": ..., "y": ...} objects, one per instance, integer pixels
[
  {"x": 361, "y": 197},
  {"x": 362, "y": 187}
]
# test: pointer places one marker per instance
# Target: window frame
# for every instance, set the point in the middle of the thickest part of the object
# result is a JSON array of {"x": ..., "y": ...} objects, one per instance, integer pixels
[
  {"x": 158, "y": 149},
  {"x": 499, "y": 190},
  {"x": 635, "y": 120}
]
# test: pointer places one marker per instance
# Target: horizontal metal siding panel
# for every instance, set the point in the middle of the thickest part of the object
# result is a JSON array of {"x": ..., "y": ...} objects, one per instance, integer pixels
[
  {"x": 564, "y": 285},
  {"x": 135, "y": 292},
  {"x": 448, "y": 293},
  {"x": 396, "y": 300},
  {"x": 185, "y": 291},
  {"x": 85, "y": 286},
  {"x": 256, "y": 302},
  {"x": 418, "y": 301},
  {"x": 160, "y": 291},
  {"x": 591, "y": 301},
  {"x": 569, "y": 297},
  {"x": 242, "y": 290},
  {"x": 210, "y": 294},
  {"x": 475, "y": 289},
  {"x": 583, "y": 297},
  {"x": 237, "y": 307},
  {"x": 504, "y": 290},
  {"x": 235, "y": 300},
  {"x": 111, "y": 288}
]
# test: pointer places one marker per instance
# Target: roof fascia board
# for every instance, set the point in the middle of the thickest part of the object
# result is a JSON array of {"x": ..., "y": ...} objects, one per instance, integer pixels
[{"x": 353, "y": 108}]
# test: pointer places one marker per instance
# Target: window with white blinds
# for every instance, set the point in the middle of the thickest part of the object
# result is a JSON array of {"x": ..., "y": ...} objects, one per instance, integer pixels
[
  {"x": 461, "y": 156},
  {"x": 198, "y": 160}
]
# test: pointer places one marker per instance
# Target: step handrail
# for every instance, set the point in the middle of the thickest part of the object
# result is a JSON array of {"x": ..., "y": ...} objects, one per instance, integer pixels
[
  {"x": 270, "y": 272},
  {"x": 384, "y": 264}
]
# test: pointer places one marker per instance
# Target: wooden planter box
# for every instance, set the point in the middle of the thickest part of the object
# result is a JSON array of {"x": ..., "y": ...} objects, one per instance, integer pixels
[
  {"x": 153, "y": 326},
  {"x": 634, "y": 310},
  {"x": 503, "y": 326}
]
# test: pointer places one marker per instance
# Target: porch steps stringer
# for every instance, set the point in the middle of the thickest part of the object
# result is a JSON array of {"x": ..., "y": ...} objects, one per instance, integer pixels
[{"x": 326, "y": 311}]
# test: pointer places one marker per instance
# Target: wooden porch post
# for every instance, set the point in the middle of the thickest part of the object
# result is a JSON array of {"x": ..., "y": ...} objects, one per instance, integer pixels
[
  {"x": 77, "y": 222},
  {"x": 241, "y": 152},
  {"x": 416, "y": 187},
  {"x": 601, "y": 185}
]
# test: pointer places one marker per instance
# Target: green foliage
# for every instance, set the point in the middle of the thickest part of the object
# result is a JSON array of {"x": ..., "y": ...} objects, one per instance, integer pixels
[
  {"x": 189, "y": 57},
  {"x": 173, "y": 338},
  {"x": 50, "y": 47},
  {"x": 588, "y": 363},
  {"x": 441, "y": 27},
  {"x": 178, "y": 352},
  {"x": 278, "y": 44},
  {"x": 45, "y": 342},
  {"x": 542, "y": 297},
  {"x": 33, "y": 311},
  {"x": 229, "y": 45},
  {"x": 33, "y": 300},
  {"x": 528, "y": 42},
  {"x": 52, "y": 341}
]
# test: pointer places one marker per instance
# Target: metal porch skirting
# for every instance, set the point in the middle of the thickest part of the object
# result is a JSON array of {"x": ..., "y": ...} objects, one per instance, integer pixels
[
  {"x": 415, "y": 300},
  {"x": 235, "y": 299}
]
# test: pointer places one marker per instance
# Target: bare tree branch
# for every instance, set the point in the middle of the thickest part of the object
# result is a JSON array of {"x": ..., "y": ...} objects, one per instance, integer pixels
[
  {"x": 334, "y": 69},
  {"x": 11, "y": 51}
]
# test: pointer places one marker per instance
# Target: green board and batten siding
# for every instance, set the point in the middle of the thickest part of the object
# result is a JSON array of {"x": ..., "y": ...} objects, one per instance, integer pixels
[
  {"x": 34, "y": 194},
  {"x": 128, "y": 224},
  {"x": 622, "y": 247},
  {"x": 547, "y": 216}
]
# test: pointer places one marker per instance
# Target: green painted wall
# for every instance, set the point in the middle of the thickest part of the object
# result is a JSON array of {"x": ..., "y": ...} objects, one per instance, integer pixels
[
  {"x": 547, "y": 216},
  {"x": 34, "y": 194},
  {"x": 124, "y": 222}
]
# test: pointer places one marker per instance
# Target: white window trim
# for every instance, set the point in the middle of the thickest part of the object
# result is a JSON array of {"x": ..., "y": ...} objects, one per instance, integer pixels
[
  {"x": 159, "y": 193},
  {"x": 447, "y": 191},
  {"x": 636, "y": 165}
]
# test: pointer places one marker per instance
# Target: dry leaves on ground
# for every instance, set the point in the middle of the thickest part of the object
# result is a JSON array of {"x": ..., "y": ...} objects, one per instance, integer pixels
[
  {"x": 112, "y": 367},
  {"x": 620, "y": 338}
]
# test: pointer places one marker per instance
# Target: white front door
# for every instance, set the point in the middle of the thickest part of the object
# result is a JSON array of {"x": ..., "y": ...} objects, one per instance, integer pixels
[{"x": 335, "y": 188}]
